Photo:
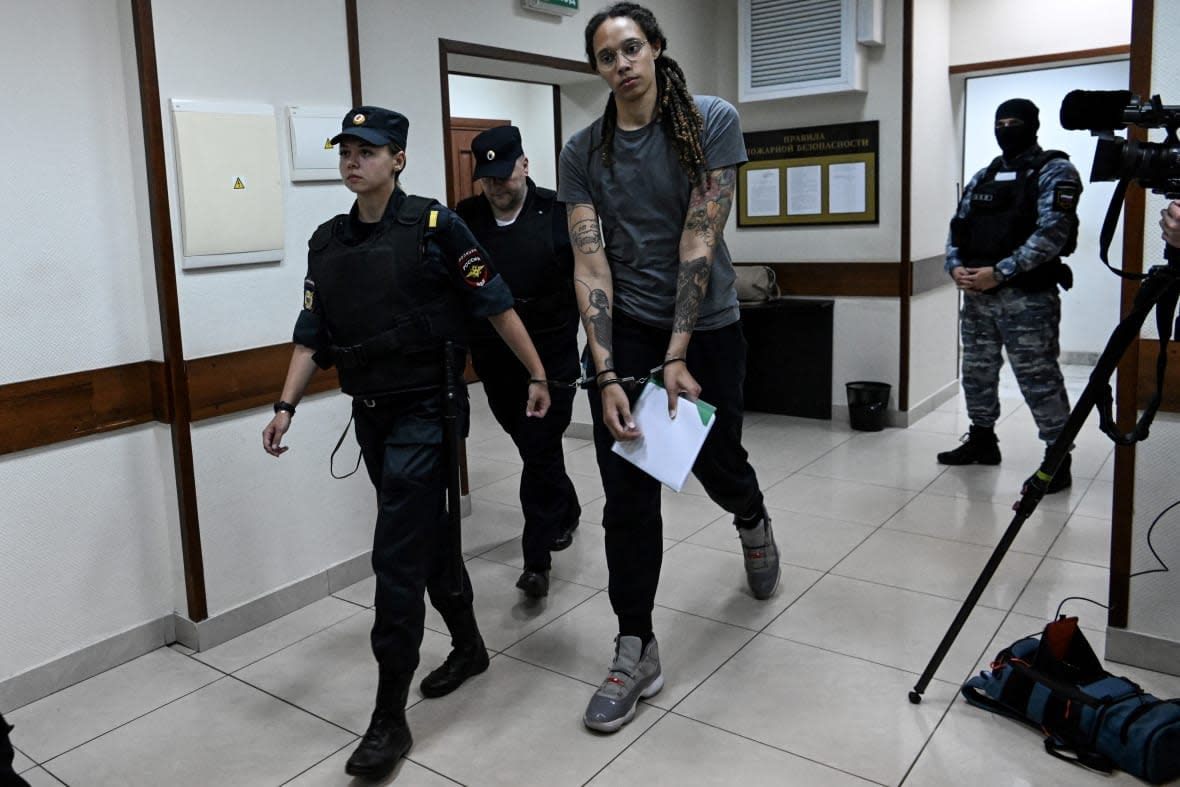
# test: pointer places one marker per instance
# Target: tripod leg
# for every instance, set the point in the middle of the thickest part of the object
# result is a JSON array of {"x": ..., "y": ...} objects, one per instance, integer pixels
[{"x": 1153, "y": 288}]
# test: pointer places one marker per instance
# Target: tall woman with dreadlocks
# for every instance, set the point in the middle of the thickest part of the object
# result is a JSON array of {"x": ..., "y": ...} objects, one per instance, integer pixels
[{"x": 648, "y": 189}]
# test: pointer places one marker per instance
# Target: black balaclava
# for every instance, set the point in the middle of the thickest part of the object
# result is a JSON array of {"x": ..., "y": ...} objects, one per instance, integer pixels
[{"x": 1014, "y": 140}]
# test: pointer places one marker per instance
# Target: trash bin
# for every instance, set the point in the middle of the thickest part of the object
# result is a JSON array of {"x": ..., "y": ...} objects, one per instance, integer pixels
[{"x": 867, "y": 402}]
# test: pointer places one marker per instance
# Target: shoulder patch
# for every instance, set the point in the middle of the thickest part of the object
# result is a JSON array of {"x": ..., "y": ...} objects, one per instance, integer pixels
[
  {"x": 1065, "y": 197},
  {"x": 473, "y": 267},
  {"x": 308, "y": 295},
  {"x": 432, "y": 222}
]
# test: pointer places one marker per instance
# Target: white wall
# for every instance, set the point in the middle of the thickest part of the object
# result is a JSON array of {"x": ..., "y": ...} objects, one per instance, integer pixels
[
  {"x": 399, "y": 57},
  {"x": 530, "y": 108},
  {"x": 265, "y": 523},
  {"x": 934, "y": 318},
  {"x": 273, "y": 53},
  {"x": 1090, "y": 310},
  {"x": 85, "y": 547},
  {"x": 70, "y": 226},
  {"x": 989, "y": 30},
  {"x": 881, "y": 102}
]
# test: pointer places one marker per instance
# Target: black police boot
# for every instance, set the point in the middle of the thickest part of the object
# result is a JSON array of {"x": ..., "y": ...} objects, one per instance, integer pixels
[
  {"x": 565, "y": 536},
  {"x": 535, "y": 584},
  {"x": 468, "y": 657},
  {"x": 388, "y": 738},
  {"x": 1062, "y": 479},
  {"x": 980, "y": 447},
  {"x": 8, "y": 776}
]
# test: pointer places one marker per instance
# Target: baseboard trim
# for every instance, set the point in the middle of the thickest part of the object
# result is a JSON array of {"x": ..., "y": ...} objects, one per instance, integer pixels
[
  {"x": 1142, "y": 650},
  {"x": 929, "y": 404},
  {"x": 234, "y": 622},
  {"x": 92, "y": 660},
  {"x": 1078, "y": 358},
  {"x": 87, "y": 662}
]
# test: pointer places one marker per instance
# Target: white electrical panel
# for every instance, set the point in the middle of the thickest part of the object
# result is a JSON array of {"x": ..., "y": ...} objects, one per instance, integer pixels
[
  {"x": 231, "y": 200},
  {"x": 312, "y": 155}
]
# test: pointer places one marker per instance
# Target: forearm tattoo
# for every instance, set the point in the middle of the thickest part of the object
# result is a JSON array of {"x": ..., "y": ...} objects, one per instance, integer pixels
[
  {"x": 691, "y": 284},
  {"x": 585, "y": 234},
  {"x": 597, "y": 319},
  {"x": 708, "y": 208}
]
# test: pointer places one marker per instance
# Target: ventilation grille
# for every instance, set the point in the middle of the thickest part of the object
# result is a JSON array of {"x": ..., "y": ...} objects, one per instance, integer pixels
[
  {"x": 794, "y": 41},
  {"x": 797, "y": 47}
]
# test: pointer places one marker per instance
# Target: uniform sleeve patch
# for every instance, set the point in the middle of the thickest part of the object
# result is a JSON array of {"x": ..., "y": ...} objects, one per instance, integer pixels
[
  {"x": 473, "y": 267},
  {"x": 308, "y": 295},
  {"x": 1065, "y": 197}
]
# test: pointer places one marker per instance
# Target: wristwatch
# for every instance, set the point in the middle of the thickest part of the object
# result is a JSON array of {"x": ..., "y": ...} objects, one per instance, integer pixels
[
  {"x": 285, "y": 407},
  {"x": 998, "y": 275}
]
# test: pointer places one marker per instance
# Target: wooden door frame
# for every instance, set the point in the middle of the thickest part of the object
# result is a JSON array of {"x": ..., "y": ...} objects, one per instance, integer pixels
[{"x": 448, "y": 47}]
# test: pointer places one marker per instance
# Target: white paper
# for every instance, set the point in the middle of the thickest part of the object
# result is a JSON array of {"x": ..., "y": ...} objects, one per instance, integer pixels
[
  {"x": 762, "y": 192},
  {"x": 846, "y": 188},
  {"x": 804, "y": 192},
  {"x": 667, "y": 448}
]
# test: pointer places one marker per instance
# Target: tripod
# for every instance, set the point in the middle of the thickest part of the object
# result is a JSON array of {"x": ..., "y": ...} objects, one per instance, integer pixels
[{"x": 1160, "y": 287}]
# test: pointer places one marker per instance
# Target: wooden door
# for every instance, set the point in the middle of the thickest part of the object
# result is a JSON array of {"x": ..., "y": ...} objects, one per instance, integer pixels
[{"x": 463, "y": 130}]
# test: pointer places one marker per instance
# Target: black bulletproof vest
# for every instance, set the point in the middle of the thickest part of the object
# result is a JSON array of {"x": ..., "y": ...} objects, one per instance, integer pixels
[
  {"x": 386, "y": 313},
  {"x": 533, "y": 257},
  {"x": 1003, "y": 216}
]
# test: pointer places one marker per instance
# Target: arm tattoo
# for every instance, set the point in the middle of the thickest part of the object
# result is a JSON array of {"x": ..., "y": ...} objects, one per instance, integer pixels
[
  {"x": 599, "y": 321},
  {"x": 708, "y": 208},
  {"x": 584, "y": 233},
  {"x": 691, "y": 284}
]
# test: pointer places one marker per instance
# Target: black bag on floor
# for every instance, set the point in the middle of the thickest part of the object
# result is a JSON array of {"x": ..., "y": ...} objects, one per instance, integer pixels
[{"x": 1089, "y": 717}]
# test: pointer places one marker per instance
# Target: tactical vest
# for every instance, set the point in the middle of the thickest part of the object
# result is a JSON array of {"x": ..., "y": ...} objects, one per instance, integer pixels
[
  {"x": 526, "y": 256},
  {"x": 387, "y": 316},
  {"x": 1003, "y": 216}
]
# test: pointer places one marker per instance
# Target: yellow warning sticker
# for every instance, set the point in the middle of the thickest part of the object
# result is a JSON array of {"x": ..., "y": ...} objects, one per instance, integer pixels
[
  {"x": 238, "y": 184},
  {"x": 328, "y": 143}
]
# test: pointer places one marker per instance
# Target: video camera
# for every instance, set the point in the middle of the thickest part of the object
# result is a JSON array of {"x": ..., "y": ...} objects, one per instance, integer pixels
[{"x": 1154, "y": 165}]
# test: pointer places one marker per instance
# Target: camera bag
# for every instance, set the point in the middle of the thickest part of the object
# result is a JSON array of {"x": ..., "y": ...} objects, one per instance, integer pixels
[{"x": 1056, "y": 684}]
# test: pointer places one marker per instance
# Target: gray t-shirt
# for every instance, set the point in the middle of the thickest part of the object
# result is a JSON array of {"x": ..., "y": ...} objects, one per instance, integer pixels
[{"x": 642, "y": 201}]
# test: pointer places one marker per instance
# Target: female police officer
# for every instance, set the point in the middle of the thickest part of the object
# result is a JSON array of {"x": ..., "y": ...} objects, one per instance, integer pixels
[{"x": 387, "y": 288}]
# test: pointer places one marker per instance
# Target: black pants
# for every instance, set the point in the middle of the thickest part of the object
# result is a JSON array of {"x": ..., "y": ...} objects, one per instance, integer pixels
[
  {"x": 631, "y": 517},
  {"x": 547, "y": 495},
  {"x": 8, "y": 777},
  {"x": 401, "y": 440}
]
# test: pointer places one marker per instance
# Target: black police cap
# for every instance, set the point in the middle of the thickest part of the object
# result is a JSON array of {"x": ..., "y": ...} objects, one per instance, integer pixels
[
  {"x": 375, "y": 125},
  {"x": 496, "y": 151}
]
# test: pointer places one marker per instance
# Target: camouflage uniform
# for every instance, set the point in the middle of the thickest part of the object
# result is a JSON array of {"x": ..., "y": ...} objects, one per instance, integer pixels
[{"x": 1024, "y": 322}]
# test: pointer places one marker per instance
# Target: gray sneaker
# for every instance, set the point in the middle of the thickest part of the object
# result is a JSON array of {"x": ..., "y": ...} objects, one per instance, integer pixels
[
  {"x": 633, "y": 674},
  {"x": 761, "y": 556}
]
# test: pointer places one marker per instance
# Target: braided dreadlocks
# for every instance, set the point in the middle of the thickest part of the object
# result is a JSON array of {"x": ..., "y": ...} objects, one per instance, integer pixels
[{"x": 680, "y": 119}]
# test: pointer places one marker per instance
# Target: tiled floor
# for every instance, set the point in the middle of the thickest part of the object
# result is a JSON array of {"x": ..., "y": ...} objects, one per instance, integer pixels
[{"x": 809, "y": 688}]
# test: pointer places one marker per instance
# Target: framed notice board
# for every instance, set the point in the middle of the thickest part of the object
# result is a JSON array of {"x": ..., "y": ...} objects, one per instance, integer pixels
[{"x": 814, "y": 175}]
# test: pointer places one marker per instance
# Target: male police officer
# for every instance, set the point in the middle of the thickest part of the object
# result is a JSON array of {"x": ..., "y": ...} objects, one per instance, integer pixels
[
  {"x": 523, "y": 229},
  {"x": 1016, "y": 220}
]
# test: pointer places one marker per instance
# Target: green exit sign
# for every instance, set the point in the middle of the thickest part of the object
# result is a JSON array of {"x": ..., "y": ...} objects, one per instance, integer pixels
[{"x": 562, "y": 7}]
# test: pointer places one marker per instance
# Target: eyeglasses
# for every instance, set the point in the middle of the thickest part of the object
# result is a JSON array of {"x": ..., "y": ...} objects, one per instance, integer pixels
[{"x": 629, "y": 51}]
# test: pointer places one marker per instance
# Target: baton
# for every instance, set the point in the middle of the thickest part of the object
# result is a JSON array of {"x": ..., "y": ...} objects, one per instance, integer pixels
[{"x": 453, "y": 449}]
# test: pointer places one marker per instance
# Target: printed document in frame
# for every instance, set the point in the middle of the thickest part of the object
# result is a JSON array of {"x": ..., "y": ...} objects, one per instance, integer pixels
[{"x": 668, "y": 448}]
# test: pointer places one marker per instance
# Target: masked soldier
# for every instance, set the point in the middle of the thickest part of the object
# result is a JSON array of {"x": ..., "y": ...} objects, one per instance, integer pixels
[
  {"x": 523, "y": 228},
  {"x": 1016, "y": 220},
  {"x": 388, "y": 286}
]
